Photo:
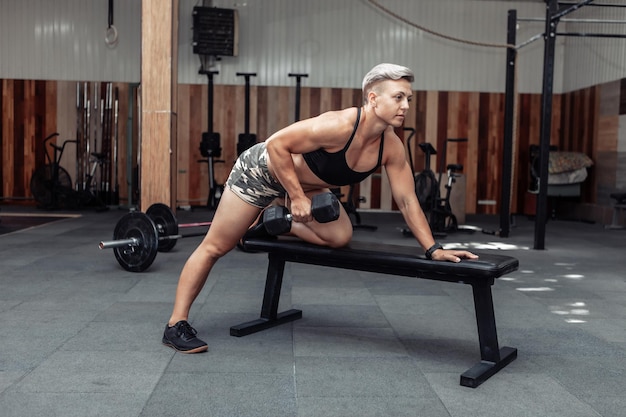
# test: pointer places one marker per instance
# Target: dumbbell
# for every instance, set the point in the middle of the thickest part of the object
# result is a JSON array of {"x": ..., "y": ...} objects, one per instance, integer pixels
[{"x": 324, "y": 208}]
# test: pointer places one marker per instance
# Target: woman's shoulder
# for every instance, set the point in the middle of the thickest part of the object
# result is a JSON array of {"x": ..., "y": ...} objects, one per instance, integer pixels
[
  {"x": 347, "y": 114},
  {"x": 336, "y": 120},
  {"x": 393, "y": 144}
]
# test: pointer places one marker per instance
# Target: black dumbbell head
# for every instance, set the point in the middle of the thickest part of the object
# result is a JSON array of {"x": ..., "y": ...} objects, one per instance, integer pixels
[
  {"x": 276, "y": 220},
  {"x": 325, "y": 207}
]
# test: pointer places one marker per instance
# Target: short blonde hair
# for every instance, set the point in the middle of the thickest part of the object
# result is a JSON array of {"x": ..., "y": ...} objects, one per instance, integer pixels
[{"x": 382, "y": 72}]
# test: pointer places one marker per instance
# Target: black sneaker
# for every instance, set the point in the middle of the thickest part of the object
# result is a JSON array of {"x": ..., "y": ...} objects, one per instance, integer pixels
[{"x": 182, "y": 337}]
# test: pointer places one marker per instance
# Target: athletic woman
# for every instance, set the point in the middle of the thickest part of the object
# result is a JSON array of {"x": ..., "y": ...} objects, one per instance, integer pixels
[{"x": 306, "y": 158}]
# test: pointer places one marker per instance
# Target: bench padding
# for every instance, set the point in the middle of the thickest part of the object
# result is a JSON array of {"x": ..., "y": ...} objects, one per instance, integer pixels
[{"x": 389, "y": 259}]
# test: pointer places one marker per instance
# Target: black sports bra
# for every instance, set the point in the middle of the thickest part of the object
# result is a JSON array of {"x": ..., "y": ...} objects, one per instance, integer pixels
[{"x": 333, "y": 169}]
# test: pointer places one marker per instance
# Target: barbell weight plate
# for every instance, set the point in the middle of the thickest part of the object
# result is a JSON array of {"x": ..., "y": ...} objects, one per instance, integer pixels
[
  {"x": 165, "y": 220},
  {"x": 136, "y": 258}
]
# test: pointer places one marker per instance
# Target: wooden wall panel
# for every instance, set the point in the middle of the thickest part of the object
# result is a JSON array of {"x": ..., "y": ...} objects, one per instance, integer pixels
[
  {"x": 125, "y": 140},
  {"x": 441, "y": 130},
  {"x": 28, "y": 111},
  {"x": 65, "y": 122},
  {"x": 608, "y": 128},
  {"x": 197, "y": 120},
  {"x": 1, "y": 143},
  {"x": 493, "y": 154},
  {"x": 606, "y": 170},
  {"x": 470, "y": 168},
  {"x": 8, "y": 122},
  {"x": 25, "y": 148},
  {"x": 33, "y": 109},
  {"x": 183, "y": 162},
  {"x": 622, "y": 94},
  {"x": 437, "y": 116},
  {"x": 232, "y": 124},
  {"x": 314, "y": 103}
]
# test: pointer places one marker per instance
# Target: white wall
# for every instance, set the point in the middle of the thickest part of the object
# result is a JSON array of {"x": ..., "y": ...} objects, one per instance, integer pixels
[
  {"x": 64, "y": 40},
  {"x": 592, "y": 61},
  {"x": 335, "y": 41}
]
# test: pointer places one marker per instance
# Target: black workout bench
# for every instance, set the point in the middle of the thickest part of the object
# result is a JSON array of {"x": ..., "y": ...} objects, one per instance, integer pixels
[{"x": 392, "y": 260}]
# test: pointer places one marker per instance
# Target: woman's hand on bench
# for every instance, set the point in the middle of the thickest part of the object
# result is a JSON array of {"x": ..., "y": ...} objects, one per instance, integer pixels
[{"x": 452, "y": 255}]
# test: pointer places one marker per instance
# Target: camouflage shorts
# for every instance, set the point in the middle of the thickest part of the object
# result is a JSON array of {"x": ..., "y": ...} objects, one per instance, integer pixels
[{"x": 250, "y": 179}]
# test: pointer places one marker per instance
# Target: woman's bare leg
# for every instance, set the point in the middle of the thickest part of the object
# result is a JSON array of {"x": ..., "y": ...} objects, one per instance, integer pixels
[
  {"x": 232, "y": 219},
  {"x": 335, "y": 234}
]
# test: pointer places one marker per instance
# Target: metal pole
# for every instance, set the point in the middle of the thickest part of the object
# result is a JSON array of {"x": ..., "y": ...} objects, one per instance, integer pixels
[
  {"x": 546, "y": 123},
  {"x": 209, "y": 75},
  {"x": 298, "y": 78},
  {"x": 593, "y": 4},
  {"x": 247, "y": 76},
  {"x": 559, "y": 13},
  {"x": 593, "y": 35},
  {"x": 540, "y": 19},
  {"x": 509, "y": 120},
  {"x": 109, "y": 244}
]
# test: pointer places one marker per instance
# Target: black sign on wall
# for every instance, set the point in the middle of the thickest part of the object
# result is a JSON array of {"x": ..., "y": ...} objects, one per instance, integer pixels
[{"x": 215, "y": 31}]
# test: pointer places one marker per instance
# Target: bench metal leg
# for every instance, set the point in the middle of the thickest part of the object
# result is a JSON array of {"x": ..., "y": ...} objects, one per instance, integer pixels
[
  {"x": 269, "y": 310},
  {"x": 492, "y": 357}
]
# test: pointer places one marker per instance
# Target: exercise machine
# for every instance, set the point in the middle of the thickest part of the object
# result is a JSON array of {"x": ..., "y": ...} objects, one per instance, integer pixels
[
  {"x": 51, "y": 184},
  {"x": 437, "y": 208},
  {"x": 210, "y": 147},
  {"x": 246, "y": 139}
]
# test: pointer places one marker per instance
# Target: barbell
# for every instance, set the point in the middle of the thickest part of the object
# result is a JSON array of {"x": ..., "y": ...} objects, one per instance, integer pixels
[
  {"x": 138, "y": 237},
  {"x": 167, "y": 225}
]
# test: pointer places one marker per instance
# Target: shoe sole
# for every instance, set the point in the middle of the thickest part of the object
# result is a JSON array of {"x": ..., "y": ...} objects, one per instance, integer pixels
[{"x": 196, "y": 350}]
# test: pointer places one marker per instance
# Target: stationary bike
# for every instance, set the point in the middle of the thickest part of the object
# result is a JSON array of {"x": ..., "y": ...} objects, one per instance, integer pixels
[
  {"x": 51, "y": 184},
  {"x": 437, "y": 209},
  {"x": 426, "y": 184},
  {"x": 442, "y": 219}
]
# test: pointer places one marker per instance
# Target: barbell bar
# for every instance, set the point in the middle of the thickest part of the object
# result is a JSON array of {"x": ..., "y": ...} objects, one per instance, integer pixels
[
  {"x": 109, "y": 244},
  {"x": 167, "y": 225}
]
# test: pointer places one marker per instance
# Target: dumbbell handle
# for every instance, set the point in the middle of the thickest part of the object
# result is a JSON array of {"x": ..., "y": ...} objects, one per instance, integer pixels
[{"x": 324, "y": 208}]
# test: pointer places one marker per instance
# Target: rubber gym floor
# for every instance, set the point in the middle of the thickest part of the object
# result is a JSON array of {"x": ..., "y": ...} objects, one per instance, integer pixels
[{"x": 82, "y": 337}]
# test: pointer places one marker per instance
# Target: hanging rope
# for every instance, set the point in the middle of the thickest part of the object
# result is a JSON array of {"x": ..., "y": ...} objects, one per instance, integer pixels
[{"x": 438, "y": 34}]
